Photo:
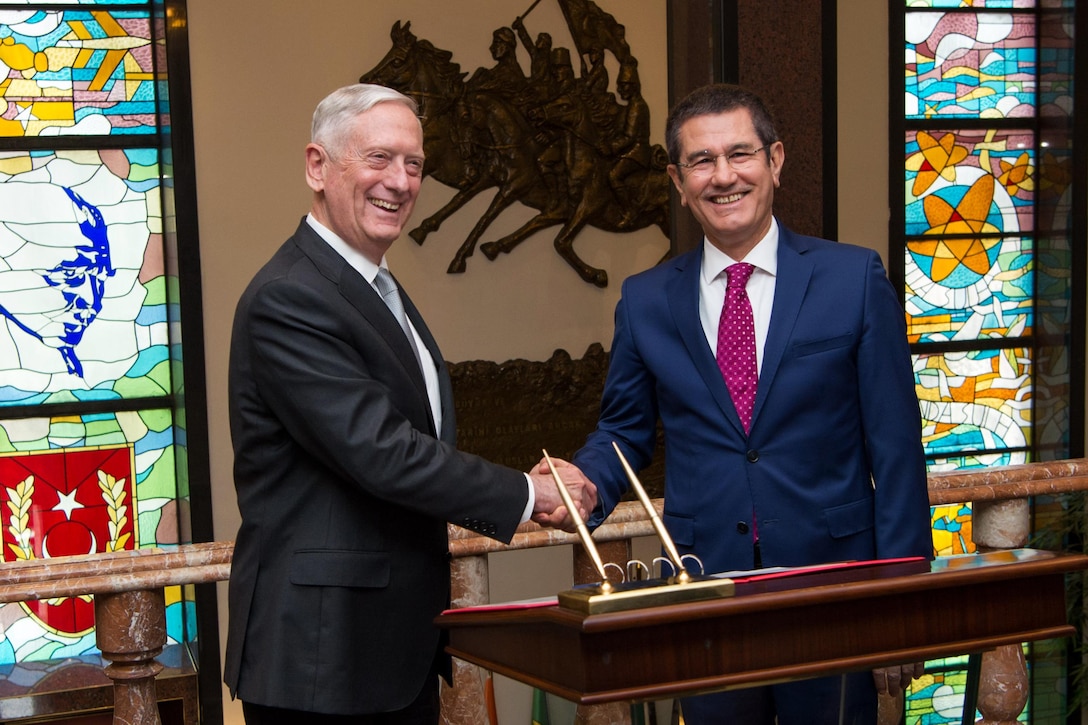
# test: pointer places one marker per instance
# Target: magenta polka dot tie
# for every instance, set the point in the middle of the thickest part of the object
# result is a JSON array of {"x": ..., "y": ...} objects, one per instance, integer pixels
[{"x": 737, "y": 342}]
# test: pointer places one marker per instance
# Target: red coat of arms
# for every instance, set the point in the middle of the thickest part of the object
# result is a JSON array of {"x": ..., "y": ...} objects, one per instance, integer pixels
[{"x": 68, "y": 502}]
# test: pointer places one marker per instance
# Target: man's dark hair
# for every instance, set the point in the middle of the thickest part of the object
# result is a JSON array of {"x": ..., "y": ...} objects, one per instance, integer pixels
[{"x": 713, "y": 99}]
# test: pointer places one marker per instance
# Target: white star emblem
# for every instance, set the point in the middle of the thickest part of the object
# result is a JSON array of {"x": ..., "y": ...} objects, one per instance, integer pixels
[
  {"x": 67, "y": 504},
  {"x": 25, "y": 115}
]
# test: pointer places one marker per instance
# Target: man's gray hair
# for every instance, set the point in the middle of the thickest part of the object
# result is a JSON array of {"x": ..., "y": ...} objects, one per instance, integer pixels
[{"x": 334, "y": 114}]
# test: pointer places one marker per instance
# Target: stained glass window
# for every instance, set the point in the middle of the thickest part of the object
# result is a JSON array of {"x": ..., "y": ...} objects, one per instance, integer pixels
[
  {"x": 970, "y": 64},
  {"x": 78, "y": 72},
  {"x": 984, "y": 254},
  {"x": 82, "y": 281},
  {"x": 89, "y": 483},
  {"x": 992, "y": 4},
  {"x": 978, "y": 400},
  {"x": 93, "y": 442}
]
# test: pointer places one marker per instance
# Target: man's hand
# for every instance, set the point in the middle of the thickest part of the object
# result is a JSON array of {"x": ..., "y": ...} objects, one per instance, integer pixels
[
  {"x": 893, "y": 680},
  {"x": 549, "y": 509}
]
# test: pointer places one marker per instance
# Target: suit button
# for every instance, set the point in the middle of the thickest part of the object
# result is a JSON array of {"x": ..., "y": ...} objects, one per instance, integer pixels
[
  {"x": 752, "y": 455},
  {"x": 742, "y": 528}
]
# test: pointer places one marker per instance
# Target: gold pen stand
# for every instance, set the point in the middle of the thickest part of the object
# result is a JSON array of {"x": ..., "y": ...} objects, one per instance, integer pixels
[{"x": 599, "y": 598}]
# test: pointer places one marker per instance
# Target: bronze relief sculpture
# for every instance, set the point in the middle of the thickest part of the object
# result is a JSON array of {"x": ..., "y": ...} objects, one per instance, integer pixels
[{"x": 558, "y": 143}]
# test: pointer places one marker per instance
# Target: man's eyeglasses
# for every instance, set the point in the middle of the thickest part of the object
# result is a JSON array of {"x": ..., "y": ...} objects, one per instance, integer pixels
[{"x": 705, "y": 165}]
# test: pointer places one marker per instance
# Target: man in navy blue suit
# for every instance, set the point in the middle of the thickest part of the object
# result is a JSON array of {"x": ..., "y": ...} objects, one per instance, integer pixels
[{"x": 826, "y": 463}]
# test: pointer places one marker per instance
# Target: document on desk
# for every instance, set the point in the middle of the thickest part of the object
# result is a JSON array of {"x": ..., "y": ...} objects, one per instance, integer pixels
[{"x": 778, "y": 572}]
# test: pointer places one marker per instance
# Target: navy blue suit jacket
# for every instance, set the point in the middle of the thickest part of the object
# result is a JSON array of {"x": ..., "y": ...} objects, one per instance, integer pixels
[{"x": 832, "y": 468}]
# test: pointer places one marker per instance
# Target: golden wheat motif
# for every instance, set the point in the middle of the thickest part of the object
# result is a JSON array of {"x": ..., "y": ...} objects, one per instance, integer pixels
[
  {"x": 20, "y": 497},
  {"x": 113, "y": 493}
]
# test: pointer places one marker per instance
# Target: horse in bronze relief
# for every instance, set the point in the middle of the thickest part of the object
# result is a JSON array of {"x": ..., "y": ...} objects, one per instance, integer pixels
[{"x": 527, "y": 150}]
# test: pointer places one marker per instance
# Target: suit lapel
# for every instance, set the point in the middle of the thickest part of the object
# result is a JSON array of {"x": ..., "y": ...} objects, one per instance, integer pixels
[
  {"x": 682, "y": 292},
  {"x": 794, "y": 272},
  {"x": 366, "y": 300}
]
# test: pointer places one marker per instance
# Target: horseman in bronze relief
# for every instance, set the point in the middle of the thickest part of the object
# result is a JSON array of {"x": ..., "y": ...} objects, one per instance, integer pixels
[{"x": 558, "y": 143}]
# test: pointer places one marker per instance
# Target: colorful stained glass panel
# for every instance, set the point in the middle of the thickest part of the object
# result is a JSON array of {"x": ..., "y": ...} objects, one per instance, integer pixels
[
  {"x": 968, "y": 289},
  {"x": 952, "y": 530},
  {"x": 976, "y": 460},
  {"x": 978, "y": 182},
  {"x": 936, "y": 698},
  {"x": 77, "y": 2},
  {"x": 145, "y": 439},
  {"x": 83, "y": 298},
  {"x": 974, "y": 401},
  {"x": 1056, "y": 186},
  {"x": 1056, "y": 59},
  {"x": 992, "y": 4},
  {"x": 76, "y": 72},
  {"x": 975, "y": 65},
  {"x": 67, "y": 502}
]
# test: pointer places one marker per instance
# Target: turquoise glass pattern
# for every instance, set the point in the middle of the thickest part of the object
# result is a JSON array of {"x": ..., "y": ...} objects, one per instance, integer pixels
[
  {"x": 977, "y": 4},
  {"x": 977, "y": 400},
  {"x": 974, "y": 65}
]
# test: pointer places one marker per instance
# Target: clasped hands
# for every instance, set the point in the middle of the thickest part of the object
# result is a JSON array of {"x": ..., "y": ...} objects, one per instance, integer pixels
[{"x": 549, "y": 509}]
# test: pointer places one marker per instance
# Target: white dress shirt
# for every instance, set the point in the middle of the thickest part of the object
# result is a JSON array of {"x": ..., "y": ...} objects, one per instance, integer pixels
[{"x": 760, "y": 289}]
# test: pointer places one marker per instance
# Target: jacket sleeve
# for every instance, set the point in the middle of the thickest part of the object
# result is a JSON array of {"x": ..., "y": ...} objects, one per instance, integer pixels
[
  {"x": 628, "y": 417},
  {"x": 892, "y": 423}
]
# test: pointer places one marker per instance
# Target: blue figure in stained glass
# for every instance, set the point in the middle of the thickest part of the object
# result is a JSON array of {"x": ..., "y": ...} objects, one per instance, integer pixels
[{"x": 79, "y": 276}]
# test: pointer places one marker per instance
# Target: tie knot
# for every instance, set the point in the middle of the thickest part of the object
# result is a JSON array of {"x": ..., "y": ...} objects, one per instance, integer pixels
[
  {"x": 738, "y": 275},
  {"x": 384, "y": 282}
]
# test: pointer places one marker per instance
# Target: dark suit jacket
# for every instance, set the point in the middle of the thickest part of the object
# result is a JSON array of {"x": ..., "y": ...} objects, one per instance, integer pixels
[
  {"x": 835, "y": 412},
  {"x": 344, "y": 486}
]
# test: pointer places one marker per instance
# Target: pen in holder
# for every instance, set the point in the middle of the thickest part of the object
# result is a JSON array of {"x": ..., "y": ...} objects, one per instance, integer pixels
[
  {"x": 580, "y": 525},
  {"x": 605, "y": 596}
]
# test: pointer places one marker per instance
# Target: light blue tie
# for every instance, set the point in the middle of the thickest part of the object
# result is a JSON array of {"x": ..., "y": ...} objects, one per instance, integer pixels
[{"x": 387, "y": 287}]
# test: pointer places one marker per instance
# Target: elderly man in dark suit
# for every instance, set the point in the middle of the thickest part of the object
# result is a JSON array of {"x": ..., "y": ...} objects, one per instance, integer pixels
[
  {"x": 345, "y": 465},
  {"x": 778, "y": 365}
]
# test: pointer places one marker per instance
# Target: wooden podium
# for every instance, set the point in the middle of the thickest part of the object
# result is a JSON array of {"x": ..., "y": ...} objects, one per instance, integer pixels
[{"x": 776, "y": 627}]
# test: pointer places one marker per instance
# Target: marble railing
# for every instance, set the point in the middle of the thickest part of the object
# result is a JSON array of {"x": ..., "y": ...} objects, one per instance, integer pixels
[
  {"x": 130, "y": 611},
  {"x": 129, "y": 608}
]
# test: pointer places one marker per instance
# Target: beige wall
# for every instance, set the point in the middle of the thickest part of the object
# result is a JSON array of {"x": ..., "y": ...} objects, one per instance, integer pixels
[
  {"x": 258, "y": 69},
  {"x": 863, "y": 124}
]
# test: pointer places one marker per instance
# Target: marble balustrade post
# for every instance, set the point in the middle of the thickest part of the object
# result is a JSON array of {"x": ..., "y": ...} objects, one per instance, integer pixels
[
  {"x": 465, "y": 703},
  {"x": 1003, "y": 681},
  {"x": 130, "y": 629}
]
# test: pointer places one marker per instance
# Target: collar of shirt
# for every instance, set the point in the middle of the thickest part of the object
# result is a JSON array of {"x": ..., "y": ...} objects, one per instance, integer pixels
[
  {"x": 361, "y": 264},
  {"x": 764, "y": 256}
]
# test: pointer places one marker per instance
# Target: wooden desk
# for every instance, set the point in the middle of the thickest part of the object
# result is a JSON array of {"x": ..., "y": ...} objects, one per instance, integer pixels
[{"x": 776, "y": 629}]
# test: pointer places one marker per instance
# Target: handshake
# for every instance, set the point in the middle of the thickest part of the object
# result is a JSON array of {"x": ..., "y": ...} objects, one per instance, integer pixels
[{"x": 549, "y": 508}]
